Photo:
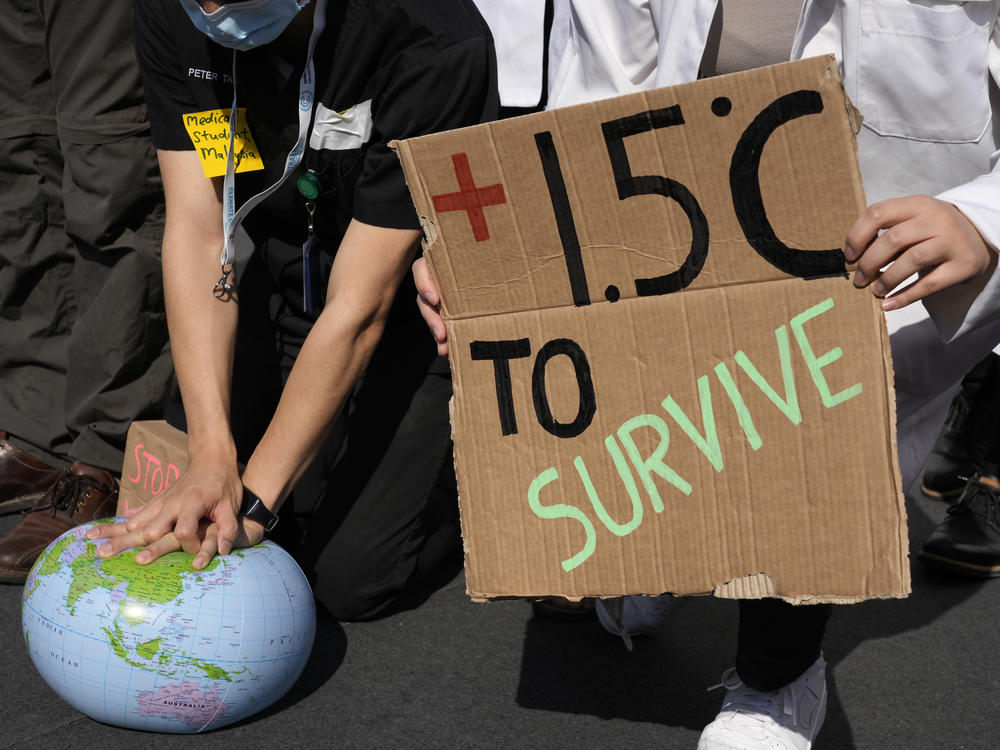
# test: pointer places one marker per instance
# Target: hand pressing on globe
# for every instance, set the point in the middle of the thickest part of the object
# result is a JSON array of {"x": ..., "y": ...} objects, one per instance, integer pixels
[
  {"x": 250, "y": 533},
  {"x": 198, "y": 514},
  {"x": 916, "y": 234}
]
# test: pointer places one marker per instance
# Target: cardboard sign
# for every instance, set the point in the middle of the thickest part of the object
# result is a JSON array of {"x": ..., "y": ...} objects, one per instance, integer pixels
[
  {"x": 155, "y": 456},
  {"x": 664, "y": 379},
  {"x": 209, "y": 133}
]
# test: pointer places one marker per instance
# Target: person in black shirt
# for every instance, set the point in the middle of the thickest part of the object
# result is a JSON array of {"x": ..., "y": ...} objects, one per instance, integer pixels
[{"x": 311, "y": 396}]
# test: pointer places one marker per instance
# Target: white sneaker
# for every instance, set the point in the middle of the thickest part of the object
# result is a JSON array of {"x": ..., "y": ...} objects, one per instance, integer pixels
[
  {"x": 634, "y": 615},
  {"x": 786, "y": 719}
]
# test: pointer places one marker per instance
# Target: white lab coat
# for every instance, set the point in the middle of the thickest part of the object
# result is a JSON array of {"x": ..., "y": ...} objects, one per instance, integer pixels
[
  {"x": 519, "y": 38},
  {"x": 924, "y": 74}
]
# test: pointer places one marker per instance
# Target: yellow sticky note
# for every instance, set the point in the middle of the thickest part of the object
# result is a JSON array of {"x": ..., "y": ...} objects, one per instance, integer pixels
[{"x": 209, "y": 132}]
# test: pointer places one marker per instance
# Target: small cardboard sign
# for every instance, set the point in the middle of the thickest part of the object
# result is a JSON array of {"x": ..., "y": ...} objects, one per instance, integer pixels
[
  {"x": 209, "y": 133},
  {"x": 664, "y": 379},
  {"x": 155, "y": 457}
]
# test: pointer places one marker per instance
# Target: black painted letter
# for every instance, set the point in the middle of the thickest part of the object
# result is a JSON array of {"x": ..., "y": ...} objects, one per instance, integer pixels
[
  {"x": 744, "y": 182},
  {"x": 615, "y": 133},
  {"x": 588, "y": 399},
  {"x": 501, "y": 352},
  {"x": 564, "y": 218}
]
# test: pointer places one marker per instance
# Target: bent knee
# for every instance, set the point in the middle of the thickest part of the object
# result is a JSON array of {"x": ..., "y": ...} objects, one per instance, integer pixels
[{"x": 354, "y": 594}]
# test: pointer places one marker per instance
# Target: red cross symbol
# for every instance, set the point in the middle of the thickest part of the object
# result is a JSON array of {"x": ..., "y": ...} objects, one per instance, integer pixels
[{"x": 469, "y": 198}]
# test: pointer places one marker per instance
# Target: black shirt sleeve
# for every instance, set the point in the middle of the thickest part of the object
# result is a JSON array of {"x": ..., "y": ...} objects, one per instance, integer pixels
[
  {"x": 453, "y": 88},
  {"x": 163, "y": 38}
]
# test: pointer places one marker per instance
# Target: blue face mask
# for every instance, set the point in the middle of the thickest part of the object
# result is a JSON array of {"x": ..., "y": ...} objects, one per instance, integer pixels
[{"x": 246, "y": 24}]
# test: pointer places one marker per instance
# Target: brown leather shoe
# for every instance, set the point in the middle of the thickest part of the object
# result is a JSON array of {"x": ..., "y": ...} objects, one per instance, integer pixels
[
  {"x": 23, "y": 479},
  {"x": 80, "y": 494}
]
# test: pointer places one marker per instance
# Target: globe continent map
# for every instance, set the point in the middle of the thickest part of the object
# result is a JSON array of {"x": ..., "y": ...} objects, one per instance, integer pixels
[{"x": 163, "y": 647}]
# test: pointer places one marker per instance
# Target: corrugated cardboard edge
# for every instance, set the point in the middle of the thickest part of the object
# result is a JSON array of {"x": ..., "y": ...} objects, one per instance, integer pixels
[
  {"x": 897, "y": 478},
  {"x": 429, "y": 237},
  {"x": 855, "y": 118},
  {"x": 754, "y": 586},
  {"x": 761, "y": 586},
  {"x": 458, "y": 491},
  {"x": 429, "y": 230}
]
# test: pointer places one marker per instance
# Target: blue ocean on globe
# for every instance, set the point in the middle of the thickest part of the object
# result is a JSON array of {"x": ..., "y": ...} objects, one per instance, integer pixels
[{"x": 163, "y": 647}]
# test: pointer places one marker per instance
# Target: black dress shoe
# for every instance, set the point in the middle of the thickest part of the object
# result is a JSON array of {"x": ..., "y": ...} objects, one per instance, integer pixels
[
  {"x": 967, "y": 541},
  {"x": 969, "y": 442}
]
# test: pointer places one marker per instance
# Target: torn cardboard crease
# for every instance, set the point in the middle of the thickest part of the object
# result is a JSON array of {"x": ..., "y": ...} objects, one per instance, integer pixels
[{"x": 617, "y": 432}]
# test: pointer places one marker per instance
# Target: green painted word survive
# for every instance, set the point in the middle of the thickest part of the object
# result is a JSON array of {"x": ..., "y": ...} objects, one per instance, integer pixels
[{"x": 634, "y": 469}]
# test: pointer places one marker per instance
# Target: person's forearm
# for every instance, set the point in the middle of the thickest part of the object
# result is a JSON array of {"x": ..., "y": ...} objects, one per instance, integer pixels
[
  {"x": 202, "y": 328},
  {"x": 334, "y": 355},
  {"x": 197, "y": 513},
  {"x": 369, "y": 266},
  {"x": 202, "y": 333}
]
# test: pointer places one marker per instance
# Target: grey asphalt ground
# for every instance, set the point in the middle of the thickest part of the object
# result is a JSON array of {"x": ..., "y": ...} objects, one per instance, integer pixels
[{"x": 919, "y": 673}]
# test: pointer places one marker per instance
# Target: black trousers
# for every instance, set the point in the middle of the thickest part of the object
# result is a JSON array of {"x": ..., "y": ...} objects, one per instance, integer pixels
[
  {"x": 83, "y": 340},
  {"x": 374, "y": 520},
  {"x": 778, "y": 641}
]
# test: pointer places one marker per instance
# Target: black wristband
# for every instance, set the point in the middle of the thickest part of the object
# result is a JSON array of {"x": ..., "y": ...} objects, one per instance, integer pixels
[{"x": 254, "y": 509}]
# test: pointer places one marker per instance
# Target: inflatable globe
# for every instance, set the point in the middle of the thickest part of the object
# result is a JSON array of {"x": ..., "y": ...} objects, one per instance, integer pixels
[{"x": 163, "y": 647}]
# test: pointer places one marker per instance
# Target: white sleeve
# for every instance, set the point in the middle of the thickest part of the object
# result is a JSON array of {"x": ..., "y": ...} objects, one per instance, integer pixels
[
  {"x": 604, "y": 48},
  {"x": 962, "y": 308},
  {"x": 600, "y": 49},
  {"x": 518, "y": 28},
  {"x": 682, "y": 30}
]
